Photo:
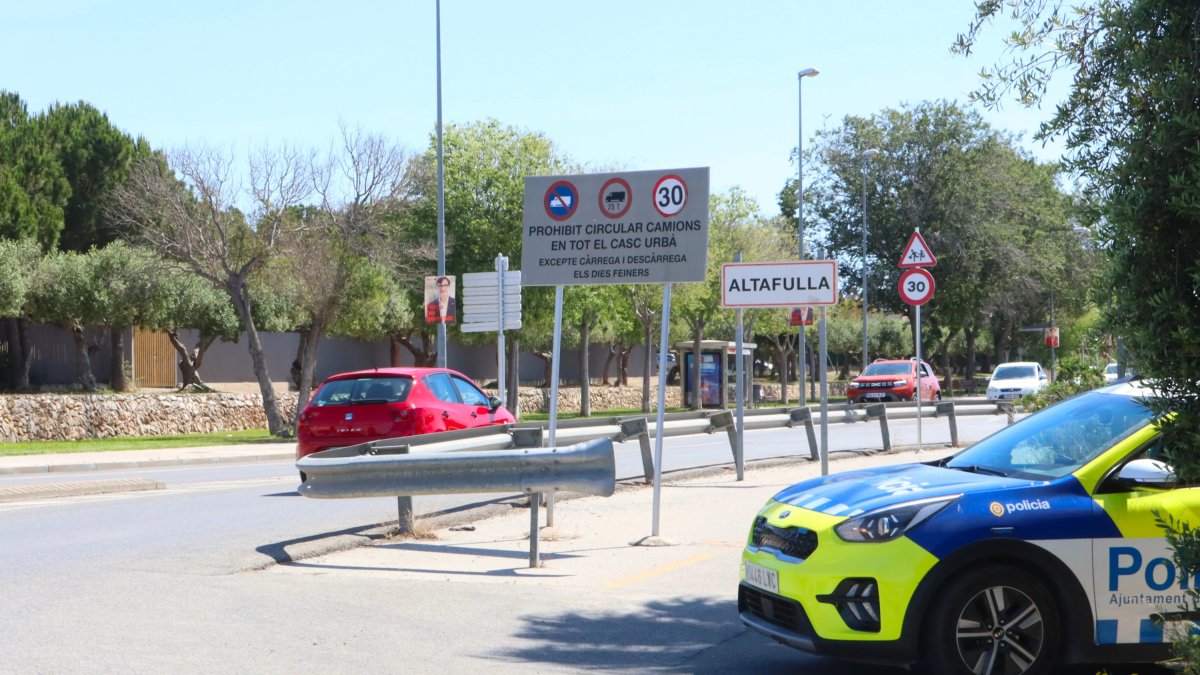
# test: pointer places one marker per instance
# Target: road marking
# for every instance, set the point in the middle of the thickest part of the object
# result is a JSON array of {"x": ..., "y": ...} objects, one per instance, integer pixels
[{"x": 661, "y": 569}]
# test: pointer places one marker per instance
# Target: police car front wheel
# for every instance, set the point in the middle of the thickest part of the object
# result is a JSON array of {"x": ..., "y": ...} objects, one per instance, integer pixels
[{"x": 993, "y": 621}]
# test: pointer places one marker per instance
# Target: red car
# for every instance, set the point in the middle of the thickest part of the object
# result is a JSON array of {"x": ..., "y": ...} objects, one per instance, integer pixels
[
  {"x": 369, "y": 405},
  {"x": 893, "y": 380}
]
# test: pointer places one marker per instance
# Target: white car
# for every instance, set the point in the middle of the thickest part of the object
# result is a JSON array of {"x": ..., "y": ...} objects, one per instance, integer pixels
[
  {"x": 1110, "y": 373},
  {"x": 1011, "y": 381}
]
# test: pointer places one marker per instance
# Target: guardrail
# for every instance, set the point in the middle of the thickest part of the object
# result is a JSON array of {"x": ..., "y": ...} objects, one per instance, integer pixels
[
  {"x": 508, "y": 458},
  {"x": 621, "y": 429},
  {"x": 356, "y": 471}
]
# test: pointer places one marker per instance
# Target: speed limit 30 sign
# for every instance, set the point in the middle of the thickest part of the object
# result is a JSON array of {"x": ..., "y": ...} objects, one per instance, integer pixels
[{"x": 916, "y": 286}]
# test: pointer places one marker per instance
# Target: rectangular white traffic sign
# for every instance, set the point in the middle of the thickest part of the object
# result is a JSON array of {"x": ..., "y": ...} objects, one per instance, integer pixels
[
  {"x": 629, "y": 227},
  {"x": 481, "y": 301},
  {"x": 779, "y": 284}
]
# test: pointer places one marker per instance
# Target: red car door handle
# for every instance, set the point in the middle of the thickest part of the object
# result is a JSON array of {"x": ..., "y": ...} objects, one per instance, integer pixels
[
  {"x": 473, "y": 415},
  {"x": 445, "y": 414}
]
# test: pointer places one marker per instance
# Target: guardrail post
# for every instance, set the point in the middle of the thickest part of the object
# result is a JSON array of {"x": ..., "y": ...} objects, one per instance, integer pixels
[
  {"x": 404, "y": 505},
  {"x": 638, "y": 426},
  {"x": 724, "y": 420},
  {"x": 1007, "y": 408},
  {"x": 947, "y": 407},
  {"x": 804, "y": 416},
  {"x": 880, "y": 410},
  {"x": 535, "y": 499}
]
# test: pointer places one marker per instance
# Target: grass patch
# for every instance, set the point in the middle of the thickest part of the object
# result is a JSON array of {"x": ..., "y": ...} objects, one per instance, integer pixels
[{"x": 139, "y": 443}]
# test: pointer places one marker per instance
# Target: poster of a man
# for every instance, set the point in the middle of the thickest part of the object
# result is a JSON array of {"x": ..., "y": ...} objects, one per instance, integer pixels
[{"x": 439, "y": 300}]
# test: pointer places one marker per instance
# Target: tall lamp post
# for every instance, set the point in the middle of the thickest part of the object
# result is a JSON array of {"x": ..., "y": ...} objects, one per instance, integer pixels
[
  {"x": 807, "y": 72},
  {"x": 867, "y": 154}
]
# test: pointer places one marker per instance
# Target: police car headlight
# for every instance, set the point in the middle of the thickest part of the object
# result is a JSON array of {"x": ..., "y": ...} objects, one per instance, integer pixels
[{"x": 893, "y": 521}]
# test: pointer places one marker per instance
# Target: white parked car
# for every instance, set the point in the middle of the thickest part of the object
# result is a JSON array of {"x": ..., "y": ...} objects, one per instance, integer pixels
[
  {"x": 1110, "y": 373},
  {"x": 1013, "y": 380}
]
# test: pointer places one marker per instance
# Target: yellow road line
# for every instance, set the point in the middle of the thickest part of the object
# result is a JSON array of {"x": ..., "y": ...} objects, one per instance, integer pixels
[{"x": 661, "y": 569}]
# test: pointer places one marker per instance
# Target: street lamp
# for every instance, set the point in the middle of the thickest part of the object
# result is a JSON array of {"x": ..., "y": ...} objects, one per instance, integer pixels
[
  {"x": 807, "y": 72},
  {"x": 867, "y": 154}
]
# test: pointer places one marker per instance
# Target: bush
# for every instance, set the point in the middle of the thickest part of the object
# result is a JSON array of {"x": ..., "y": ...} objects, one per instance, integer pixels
[{"x": 1073, "y": 377}]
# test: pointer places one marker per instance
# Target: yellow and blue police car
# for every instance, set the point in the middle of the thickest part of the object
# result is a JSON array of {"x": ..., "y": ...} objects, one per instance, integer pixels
[{"x": 1035, "y": 547}]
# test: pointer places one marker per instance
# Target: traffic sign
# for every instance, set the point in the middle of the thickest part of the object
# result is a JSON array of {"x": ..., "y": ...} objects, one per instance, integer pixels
[
  {"x": 670, "y": 195},
  {"x": 627, "y": 227},
  {"x": 917, "y": 253},
  {"x": 916, "y": 286},
  {"x": 615, "y": 197},
  {"x": 783, "y": 284},
  {"x": 561, "y": 200},
  {"x": 481, "y": 301}
]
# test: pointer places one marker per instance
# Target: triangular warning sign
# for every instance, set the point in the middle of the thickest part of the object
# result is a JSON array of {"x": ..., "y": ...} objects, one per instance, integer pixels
[{"x": 917, "y": 253}]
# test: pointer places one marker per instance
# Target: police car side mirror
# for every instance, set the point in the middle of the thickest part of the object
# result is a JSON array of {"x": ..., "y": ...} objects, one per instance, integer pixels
[{"x": 1147, "y": 473}]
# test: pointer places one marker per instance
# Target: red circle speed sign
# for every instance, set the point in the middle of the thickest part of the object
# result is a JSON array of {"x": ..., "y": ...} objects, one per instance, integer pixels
[{"x": 916, "y": 286}]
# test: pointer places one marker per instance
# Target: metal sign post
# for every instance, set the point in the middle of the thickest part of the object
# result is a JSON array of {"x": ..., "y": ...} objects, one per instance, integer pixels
[
  {"x": 555, "y": 361},
  {"x": 664, "y": 333},
  {"x": 501, "y": 268},
  {"x": 916, "y": 288},
  {"x": 739, "y": 459},
  {"x": 824, "y": 348},
  {"x": 919, "y": 377}
]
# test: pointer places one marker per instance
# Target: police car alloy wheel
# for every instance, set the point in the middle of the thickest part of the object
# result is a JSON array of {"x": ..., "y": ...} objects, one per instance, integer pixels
[{"x": 993, "y": 621}]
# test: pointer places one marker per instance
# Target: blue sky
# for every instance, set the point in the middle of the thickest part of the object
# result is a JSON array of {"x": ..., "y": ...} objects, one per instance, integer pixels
[{"x": 621, "y": 84}]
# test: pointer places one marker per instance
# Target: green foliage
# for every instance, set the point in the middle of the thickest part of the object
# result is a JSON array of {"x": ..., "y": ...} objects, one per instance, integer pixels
[
  {"x": 1184, "y": 539},
  {"x": 1072, "y": 377},
  {"x": 486, "y": 164},
  {"x": 1131, "y": 123},
  {"x": 18, "y": 263},
  {"x": 995, "y": 218},
  {"x": 94, "y": 156},
  {"x": 33, "y": 186}
]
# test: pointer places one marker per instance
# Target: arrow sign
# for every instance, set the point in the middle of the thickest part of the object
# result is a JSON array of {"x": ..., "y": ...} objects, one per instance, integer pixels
[{"x": 917, "y": 253}]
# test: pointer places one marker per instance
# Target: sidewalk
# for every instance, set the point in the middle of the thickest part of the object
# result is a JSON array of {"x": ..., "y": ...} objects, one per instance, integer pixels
[{"x": 138, "y": 459}]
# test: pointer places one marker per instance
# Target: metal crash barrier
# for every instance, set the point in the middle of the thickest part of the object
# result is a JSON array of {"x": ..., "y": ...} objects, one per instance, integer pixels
[
  {"x": 363, "y": 471},
  {"x": 588, "y": 468}
]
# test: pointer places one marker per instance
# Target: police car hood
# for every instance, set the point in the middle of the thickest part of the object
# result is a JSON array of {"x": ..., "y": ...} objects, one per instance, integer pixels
[{"x": 867, "y": 489}]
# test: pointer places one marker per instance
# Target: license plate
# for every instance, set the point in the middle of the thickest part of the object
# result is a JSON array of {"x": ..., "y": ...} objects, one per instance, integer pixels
[
  {"x": 762, "y": 577},
  {"x": 1010, "y": 396},
  {"x": 876, "y": 394}
]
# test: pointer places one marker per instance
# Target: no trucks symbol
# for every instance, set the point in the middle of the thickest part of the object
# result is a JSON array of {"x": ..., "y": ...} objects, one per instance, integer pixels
[
  {"x": 561, "y": 200},
  {"x": 615, "y": 197}
]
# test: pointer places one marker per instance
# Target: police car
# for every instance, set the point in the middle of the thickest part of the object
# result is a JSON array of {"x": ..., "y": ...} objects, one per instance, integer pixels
[{"x": 1034, "y": 547}]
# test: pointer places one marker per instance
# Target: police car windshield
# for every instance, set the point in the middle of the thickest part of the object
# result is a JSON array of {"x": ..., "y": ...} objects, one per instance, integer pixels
[{"x": 1059, "y": 439}]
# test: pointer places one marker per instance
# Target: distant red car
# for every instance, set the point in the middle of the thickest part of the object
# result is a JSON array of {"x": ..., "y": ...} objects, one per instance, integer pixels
[
  {"x": 893, "y": 380},
  {"x": 369, "y": 405}
]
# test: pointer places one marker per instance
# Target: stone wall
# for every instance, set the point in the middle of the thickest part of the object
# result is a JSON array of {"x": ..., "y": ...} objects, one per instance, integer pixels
[
  {"x": 603, "y": 398},
  {"x": 58, "y": 417},
  {"x": 72, "y": 417}
]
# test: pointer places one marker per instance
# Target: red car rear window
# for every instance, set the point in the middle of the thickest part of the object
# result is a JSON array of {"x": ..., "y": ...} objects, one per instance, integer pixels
[{"x": 364, "y": 390}]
